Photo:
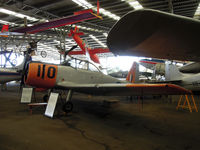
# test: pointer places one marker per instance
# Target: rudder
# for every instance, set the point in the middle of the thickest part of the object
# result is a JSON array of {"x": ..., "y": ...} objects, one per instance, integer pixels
[
  {"x": 133, "y": 74},
  {"x": 172, "y": 73}
]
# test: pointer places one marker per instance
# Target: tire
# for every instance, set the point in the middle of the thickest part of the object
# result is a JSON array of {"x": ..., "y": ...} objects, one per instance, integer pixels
[
  {"x": 68, "y": 107},
  {"x": 45, "y": 98}
]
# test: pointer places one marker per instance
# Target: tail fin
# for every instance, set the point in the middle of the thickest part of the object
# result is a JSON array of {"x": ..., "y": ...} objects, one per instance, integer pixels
[
  {"x": 133, "y": 74},
  {"x": 172, "y": 73},
  {"x": 5, "y": 28}
]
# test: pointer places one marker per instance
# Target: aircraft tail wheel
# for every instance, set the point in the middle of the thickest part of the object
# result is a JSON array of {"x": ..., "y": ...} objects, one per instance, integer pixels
[{"x": 67, "y": 107}]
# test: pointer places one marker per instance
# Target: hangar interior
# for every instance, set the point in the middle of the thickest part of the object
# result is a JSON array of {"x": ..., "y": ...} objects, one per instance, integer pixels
[{"x": 138, "y": 102}]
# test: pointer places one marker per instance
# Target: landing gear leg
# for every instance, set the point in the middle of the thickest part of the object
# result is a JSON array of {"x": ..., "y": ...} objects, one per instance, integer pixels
[{"x": 68, "y": 106}]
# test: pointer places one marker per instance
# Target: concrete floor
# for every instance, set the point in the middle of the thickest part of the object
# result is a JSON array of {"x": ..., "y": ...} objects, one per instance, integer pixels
[{"x": 93, "y": 127}]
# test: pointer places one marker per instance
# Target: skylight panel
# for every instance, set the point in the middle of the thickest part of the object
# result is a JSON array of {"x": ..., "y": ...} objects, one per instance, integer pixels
[{"x": 97, "y": 40}]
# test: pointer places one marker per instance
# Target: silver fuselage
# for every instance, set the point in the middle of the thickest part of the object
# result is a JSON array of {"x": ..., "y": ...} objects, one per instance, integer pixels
[{"x": 82, "y": 76}]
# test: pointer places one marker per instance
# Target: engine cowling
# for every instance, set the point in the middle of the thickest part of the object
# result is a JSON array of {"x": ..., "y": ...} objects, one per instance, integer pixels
[{"x": 41, "y": 75}]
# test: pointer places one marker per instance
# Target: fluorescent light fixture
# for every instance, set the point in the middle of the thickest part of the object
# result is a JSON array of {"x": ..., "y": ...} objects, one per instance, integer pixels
[
  {"x": 109, "y": 14},
  {"x": 94, "y": 38},
  {"x": 7, "y": 22},
  {"x": 134, "y": 3},
  {"x": 89, "y": 29},
  {"x": 19, "y": 15},
  {"x": 86, "y": 5},
  {"x": 105, "y": 34},
  {"x": 83, "y": 3},
  {"x": 197, "y": 13}
]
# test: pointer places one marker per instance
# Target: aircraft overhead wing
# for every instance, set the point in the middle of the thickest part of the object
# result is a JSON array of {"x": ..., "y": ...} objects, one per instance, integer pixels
[
  {"x": 156, "y": 34},
  {"x": 125, "y": 89},
  {"x": 77, "y": 17}
]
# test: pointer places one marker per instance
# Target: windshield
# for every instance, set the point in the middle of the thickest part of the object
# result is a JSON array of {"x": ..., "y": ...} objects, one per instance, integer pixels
[{"x": 83, "y": 64}]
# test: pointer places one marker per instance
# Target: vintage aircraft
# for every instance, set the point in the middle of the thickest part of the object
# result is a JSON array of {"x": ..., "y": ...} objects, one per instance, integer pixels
[
  {"x": 4, "y": 29},
  {"x": 151, "y": 63},
  {"x": 189, "y": 81},
  {"x": 156, "y": 34},
  {"x": 7, "y": 75},
  {"x": 75, "y": 34},
  {"x": 5, "y": 32},
  {"x": 11, "y": 74},
  {"x": 193, "y": 67},
  {"x": 49, "y": 76},
  {"x": 91, "y": 52},
  {"x": 79, "y": 16}
]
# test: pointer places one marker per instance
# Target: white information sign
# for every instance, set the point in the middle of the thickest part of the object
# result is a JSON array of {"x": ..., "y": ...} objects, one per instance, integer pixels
[
  {"x": 26, "y": 95},
  {"x": 51, "y": 105}
]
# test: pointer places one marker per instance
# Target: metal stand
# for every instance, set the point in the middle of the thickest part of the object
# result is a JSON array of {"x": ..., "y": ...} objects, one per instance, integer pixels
[
  {"x": 69, "y": 95},
  {"x": 140, "y": 103},
  {"x": 188, "y": 106}
]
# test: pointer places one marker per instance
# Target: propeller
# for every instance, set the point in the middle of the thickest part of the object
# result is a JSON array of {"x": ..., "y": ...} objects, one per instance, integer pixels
[
  {"x": 65, "y": 53},
  {"x": 27, "y": 58},
  {"x": 71, "y": 49}
]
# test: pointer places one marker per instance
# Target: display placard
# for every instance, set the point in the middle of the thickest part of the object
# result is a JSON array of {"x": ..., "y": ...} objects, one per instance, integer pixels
[
  {"x": 26, "y": 95},
  {"x": 51, "y": 105}
]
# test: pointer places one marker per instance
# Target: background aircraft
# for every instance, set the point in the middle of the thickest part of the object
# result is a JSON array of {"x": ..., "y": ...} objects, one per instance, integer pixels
[
  {"x": 190, "y": 81},
  {"x": 75, "y": 34},
  {"x": 7, "y": 75},
  {"x": 193, "y": 67}
]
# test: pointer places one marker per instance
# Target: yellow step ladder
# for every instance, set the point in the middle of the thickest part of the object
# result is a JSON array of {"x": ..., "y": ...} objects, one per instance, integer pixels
[{"x": 187, "y": 100}]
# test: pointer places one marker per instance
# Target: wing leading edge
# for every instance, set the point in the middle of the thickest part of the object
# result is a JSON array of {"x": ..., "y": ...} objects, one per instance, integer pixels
[
  {"x": 156, "y": 34},
  {"x": 77, "y": 17},
  {"x": 125, "y": 89}
]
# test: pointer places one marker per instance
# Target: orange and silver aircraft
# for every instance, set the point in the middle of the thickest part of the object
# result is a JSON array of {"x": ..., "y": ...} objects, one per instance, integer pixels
[{"x": 49, "y": 76}]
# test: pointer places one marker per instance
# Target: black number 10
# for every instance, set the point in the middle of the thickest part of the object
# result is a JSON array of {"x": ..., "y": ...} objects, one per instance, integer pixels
[{"x": 51, "y": 72}]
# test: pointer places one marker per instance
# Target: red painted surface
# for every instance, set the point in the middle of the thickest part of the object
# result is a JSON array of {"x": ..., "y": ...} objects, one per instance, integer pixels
[{"x": 75, "y": 34}]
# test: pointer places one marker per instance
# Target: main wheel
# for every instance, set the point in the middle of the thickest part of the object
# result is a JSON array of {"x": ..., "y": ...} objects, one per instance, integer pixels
[
  {"x": 67, "y": 107},
  {"x": 45, "y": 98}
]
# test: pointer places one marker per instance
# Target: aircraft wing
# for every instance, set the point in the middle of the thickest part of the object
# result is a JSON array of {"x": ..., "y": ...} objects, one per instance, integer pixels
[
  {"x": 152, "y": 33},
  {"x": 125, "y": 89},
  {"x": 9, "y": 33},
  {"x": 99, "y": 50},
  {"x": 7, "y": 75},
  {"x": 77, "y": 17},
  {"x": 76, "y": 53}
]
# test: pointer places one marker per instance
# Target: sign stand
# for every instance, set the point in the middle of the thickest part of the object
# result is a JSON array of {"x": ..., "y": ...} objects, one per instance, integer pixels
[
  {"x": 26, "y": 95},
  {"x": 51, "y": 105}
]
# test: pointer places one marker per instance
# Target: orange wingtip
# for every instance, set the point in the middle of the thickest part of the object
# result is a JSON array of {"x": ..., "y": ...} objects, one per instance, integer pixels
[
  {"x": 97, "y": 16},
  {"x": 179, "y": 88},
  {"x": 3, "y": 35}
]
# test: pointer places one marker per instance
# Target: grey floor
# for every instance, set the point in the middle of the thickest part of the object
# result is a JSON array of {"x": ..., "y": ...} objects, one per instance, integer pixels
[{"x": 93, "y": 127}]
